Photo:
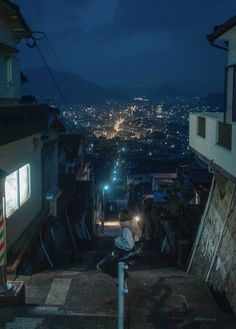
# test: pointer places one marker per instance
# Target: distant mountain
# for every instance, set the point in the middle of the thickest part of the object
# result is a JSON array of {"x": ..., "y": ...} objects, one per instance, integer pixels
[
  {"x": 133, "y": 91},
  {"x": 74, "y": 88},
  {"x": 215, "y": 99},
  {"x": 195, "y": 87},
  {"x": 165, "y": 91},
  {"x": 187, "y": 88}
]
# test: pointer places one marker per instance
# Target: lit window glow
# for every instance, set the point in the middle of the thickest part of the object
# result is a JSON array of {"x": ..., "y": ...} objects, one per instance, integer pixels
[
  {"x": 24, "y": 183},
  {"x": 17, "y": 189},
  {"x": 11, "y": 193}
]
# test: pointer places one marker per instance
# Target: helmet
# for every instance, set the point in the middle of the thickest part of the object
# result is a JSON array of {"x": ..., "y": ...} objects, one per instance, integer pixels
[{"x": 124, "y": 215}]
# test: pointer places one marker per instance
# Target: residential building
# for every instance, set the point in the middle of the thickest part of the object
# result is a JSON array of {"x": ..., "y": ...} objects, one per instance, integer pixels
[
  {"x": 213, "y": 139},
  {"x": 40, "y": 172},
  {"x": 21, "y": 128},
  {"x": 13, "y": 28}
]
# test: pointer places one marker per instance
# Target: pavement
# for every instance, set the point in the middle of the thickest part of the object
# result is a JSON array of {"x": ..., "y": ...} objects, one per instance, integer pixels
[{"x": 80, "y": 297}]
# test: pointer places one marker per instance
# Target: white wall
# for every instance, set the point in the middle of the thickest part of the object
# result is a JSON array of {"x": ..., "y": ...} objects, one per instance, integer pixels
[
  {"x": 12, "y": 157},
  {"x": 208, "y": 147},
  {"x": 230, "y": 37},
  {"x": 9, "y": 66}
]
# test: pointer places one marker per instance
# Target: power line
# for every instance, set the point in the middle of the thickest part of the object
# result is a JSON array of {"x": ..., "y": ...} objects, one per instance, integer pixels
[
  {"x": 54, "y": 53},
  {"x": 58, "y": 61},
  {"x": 35, "y": 45}
]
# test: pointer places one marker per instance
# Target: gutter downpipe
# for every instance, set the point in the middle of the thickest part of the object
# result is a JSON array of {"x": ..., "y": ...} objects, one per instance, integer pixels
[
  {"x": 218, "y": 46},
  {"x": 221, "y": 235},
  {"x": 201, "y": 226}
]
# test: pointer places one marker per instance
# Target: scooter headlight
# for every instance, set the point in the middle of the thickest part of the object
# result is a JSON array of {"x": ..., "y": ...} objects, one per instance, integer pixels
[{"x": 137, "y": 218}]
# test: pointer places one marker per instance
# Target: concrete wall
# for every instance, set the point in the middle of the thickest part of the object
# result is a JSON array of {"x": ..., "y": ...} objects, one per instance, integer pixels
[
  {"x": 208, "y": 146},
  {"x": 223, "y": 275},
  {"x": 12, "y": 157}
]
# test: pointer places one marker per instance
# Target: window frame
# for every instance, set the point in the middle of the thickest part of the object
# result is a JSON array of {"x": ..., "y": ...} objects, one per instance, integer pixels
[
  {"x": 230, "y": 94},
  {"x": 19, "y": 202}
]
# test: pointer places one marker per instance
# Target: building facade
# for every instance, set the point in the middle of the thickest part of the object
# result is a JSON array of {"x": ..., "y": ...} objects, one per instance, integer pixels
[
  {"x": 21, "y": 127},
  {"x": 213, "y": 139}
]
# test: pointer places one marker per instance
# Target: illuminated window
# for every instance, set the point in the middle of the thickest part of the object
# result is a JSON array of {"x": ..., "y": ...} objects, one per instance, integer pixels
[
  {"x": 24, "y": 183},
  {"x": 11, "y": 193},
  {"x": 17, "y": 189}
]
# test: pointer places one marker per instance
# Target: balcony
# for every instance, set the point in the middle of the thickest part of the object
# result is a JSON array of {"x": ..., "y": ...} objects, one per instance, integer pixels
[
  {"x": 214, "y": 140},
  {"x": 9, "y": 90},
  {"x": 20, "y": 121}
]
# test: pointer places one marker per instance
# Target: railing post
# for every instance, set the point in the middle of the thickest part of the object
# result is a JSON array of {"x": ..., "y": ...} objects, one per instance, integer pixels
[{"x": 121, "y": 291}]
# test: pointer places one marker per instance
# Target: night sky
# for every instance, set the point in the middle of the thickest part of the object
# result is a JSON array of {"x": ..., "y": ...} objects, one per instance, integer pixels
[{"x": 129, "y": 42}]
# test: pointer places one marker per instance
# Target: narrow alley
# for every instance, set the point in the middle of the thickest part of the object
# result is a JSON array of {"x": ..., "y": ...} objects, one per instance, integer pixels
[
  {"x": 78, "y": 296},
  {"x": 110, "y": 147}
]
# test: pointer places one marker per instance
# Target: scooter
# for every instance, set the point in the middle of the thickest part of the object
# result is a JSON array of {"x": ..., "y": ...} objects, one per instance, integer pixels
[{"x": 109, "y": 264}]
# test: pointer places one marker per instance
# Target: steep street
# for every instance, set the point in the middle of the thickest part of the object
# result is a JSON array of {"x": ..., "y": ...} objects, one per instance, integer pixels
[{"x": 160, "y": 296}]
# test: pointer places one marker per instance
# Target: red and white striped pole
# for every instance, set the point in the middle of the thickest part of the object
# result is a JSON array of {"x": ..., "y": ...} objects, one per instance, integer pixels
[
  {"x": 3, "y": 281},
  {"x": 4, "y": 285}
]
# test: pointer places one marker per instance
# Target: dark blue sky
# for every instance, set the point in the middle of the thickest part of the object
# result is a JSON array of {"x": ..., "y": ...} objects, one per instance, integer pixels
[{"x": 130, "y": 42}]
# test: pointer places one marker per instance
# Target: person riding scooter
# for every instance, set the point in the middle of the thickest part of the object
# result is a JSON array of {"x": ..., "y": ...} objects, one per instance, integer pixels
[
  {"x": 125, "y": 248},
  {"x": 130, "y": 234}
]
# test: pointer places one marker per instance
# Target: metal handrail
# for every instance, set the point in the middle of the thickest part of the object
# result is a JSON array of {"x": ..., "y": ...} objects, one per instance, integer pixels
[{"x": 122, "y": 289}]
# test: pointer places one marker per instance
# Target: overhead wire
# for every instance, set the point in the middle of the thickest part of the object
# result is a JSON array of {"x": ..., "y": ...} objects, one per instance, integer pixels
[
  {"x": 58, "y": 61},
  {"x": 35, "y": 45},
  {"x": 54, "y": 53}
]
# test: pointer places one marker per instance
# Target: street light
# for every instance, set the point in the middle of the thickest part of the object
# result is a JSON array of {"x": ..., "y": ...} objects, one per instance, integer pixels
[{"x": 105, "y": 188}]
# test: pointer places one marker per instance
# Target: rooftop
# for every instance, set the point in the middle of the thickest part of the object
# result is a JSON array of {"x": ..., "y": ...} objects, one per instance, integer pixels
[
  {"x": 15, "y": 19},
  {"x": 71, "y": 143},
  {"x": 219, "y": 30},
  {"x": 154, "y": 166},
  {"x": 20, "y": 121}
]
